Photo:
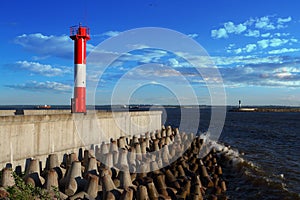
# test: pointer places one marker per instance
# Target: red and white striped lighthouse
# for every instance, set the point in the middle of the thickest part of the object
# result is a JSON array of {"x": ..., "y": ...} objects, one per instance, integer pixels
[{"x": 80, "y": 34}]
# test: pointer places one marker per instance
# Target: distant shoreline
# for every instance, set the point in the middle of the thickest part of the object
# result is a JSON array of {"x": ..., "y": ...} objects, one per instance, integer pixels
[{"x": 265, "y": 109}]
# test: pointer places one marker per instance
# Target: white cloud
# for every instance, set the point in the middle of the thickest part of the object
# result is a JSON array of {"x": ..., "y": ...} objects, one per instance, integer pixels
[
  {"x": 281, "y": 34},
  {"x": 137, "y": 46},
  {"x": 174, "y": 62},
  {"x": 230, "y": 47},
  {"x": 253, "y": 33},
  {"x": 240, "y": 28},
  {"x": 275, "y": 42},
  {"x": 264, "y": 23},
  {"x": 279, "y": 26},
  {"x": 263, "y": 43},
  {"x": 283, "y": 50},
  {"x": 245, "y": 60},
  {"x": 283, "y": 75},
  {"x": 193, "y": 35},
  {"x": 285, "y": 34},
  {"x": 294, "y": 40},
  {"x": 42, "y": 69},
  {"x": 285, "y": 72},
  {"x": 238, "y": 51},
  {"x": 269, "y": 23},
  {"x": 220, "y": 33},
  {"x": 249, "y": 22},
  {"x": 42, "y": 44},
  {"x": 111, "y": 33},
  {"x": 231, "y": 28},
  {"x": 250, "y": 47},
  {"x": 288, "y": 69},
  {"x": 268, "y": 75},
  {"x": 42, "y": 86},
  {"x": 247, "y": 69},
  {"x": 228, "y": 28},
  {"x": 60, "y": 46},
  {"x": 284, "y": 20},
  {"x": 155, "y": 70},
  {"x": 265, "y": 35},
  {"x": 153, "y": 55}
]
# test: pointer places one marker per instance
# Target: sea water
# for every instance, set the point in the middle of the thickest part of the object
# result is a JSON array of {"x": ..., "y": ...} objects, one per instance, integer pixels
[{"x": 263, "y": 151}]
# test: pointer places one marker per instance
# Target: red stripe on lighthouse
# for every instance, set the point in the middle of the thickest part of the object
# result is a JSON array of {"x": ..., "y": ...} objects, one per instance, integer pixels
[
  {"x": 80, "y": 55},
  {"x": 79, "y": 94}
]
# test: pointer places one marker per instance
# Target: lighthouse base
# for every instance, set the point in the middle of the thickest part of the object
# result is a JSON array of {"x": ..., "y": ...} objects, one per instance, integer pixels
[{"x": 77, "y": 107}]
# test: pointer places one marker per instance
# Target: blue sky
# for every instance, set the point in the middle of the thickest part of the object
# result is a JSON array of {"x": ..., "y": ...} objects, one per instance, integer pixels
[{"x": 254, "y": 44}]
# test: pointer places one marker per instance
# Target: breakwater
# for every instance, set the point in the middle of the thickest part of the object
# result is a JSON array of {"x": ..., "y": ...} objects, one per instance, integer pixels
[
  {"x": 156, "y": 165},
  {"x": 38, "y": 133}
]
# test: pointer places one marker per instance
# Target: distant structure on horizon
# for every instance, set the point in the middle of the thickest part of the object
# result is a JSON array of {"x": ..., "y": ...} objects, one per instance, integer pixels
[
  {"x": 80, "y": 34},
  {"x": 240, "y": 104}
]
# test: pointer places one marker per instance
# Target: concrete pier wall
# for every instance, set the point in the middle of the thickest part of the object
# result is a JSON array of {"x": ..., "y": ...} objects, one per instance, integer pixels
[
  {"x": 37, "y": 135},
  {"x": 34, "y": 112}
]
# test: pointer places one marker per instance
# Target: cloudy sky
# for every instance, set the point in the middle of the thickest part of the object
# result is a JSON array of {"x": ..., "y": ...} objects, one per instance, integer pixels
[{"x": 254, "y": 45}]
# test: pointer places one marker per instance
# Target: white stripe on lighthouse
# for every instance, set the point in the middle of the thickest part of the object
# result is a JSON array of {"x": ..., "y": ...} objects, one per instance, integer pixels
[{"x": 80, "y": 75}]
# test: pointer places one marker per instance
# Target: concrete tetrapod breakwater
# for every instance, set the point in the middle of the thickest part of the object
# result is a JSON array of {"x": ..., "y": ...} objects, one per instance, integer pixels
[{"x": 156, "y": 165}]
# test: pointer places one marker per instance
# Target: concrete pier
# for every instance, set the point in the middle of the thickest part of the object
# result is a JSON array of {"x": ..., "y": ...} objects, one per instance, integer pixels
[{"x": 39, "y": 133}]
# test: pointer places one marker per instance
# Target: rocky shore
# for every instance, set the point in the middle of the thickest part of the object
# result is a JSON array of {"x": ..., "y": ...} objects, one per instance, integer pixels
[{"x": 159, "y": 165}]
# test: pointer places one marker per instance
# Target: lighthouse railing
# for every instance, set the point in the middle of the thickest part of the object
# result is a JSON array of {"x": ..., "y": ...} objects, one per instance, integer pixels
[{"x": 74, "y": 30}]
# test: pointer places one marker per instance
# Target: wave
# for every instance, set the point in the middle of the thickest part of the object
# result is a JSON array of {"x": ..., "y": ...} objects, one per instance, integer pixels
[
  {"x": 247, "y": 179},
  {"x": 232, "y": 155}
]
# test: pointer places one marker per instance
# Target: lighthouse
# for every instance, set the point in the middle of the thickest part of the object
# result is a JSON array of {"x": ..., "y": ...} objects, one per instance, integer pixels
[{"x": 80, "y": 34}]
